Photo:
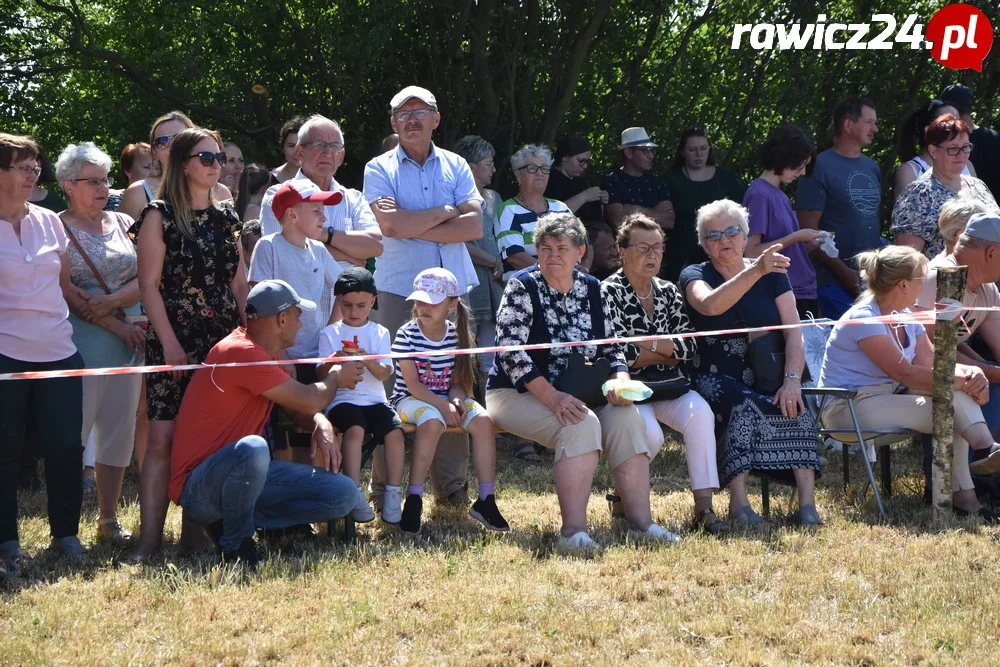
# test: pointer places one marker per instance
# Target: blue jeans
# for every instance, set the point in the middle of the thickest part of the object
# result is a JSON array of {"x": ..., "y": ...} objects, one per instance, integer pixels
[{"x": 240, "y": 485}]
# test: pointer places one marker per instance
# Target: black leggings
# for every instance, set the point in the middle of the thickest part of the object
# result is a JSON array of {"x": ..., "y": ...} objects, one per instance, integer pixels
[{"x": 54, "y": 408}]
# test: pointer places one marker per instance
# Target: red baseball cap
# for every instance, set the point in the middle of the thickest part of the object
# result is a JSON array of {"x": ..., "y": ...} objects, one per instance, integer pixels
[{"x": 299, "y": 190}]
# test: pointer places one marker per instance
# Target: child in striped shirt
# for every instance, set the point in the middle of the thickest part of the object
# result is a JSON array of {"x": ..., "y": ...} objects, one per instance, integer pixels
[{"x": 433, "y": 392}]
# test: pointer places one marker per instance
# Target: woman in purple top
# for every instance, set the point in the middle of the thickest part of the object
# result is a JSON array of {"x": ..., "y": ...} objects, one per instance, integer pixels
[{"x": 787, "y": 154}]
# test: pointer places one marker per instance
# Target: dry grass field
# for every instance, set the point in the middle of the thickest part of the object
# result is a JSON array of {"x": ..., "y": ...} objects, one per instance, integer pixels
[{"x": 855, "y": 592}]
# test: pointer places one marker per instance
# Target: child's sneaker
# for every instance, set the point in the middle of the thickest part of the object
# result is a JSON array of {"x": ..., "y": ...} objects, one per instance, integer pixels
[
  {"x": 410, "y": 520},
  {"x": 392, "y": 506},
  {"x": 485, "y": 512},
  {"x": 362, "y": 512}
]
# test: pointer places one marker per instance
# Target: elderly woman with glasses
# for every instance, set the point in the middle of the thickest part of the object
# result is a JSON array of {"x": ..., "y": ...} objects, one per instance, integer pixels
[
  {"x": 644, "y": 305},
  {"x": 518, "y": 215},
  {"x": 771, "y": 432},
  {"x": 99, "y": 284},
  {"x": 555, "y": 303},
  {"x": 193, "y": 283},
  {"x": 915, "y": 213},
  {"x": 35, "y": 335}
]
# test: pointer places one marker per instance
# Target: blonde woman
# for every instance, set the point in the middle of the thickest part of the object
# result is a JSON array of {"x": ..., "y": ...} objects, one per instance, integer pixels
[{"x": 193, "y": 284}]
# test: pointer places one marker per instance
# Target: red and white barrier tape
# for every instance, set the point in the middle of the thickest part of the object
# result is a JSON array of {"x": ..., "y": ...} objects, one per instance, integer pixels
[{"x": 948, "y": 311}]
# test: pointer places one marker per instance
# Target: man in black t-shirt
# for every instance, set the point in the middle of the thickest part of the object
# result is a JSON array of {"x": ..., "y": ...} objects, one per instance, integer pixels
[
  {"x": 986, "y": 142},
  {"x": 634, "y": 188}
]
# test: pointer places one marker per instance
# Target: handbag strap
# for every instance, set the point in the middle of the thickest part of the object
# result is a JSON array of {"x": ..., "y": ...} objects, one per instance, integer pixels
[{"x": 88, "y": 262}]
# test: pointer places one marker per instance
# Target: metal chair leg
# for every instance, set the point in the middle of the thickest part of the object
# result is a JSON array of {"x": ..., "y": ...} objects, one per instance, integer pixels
[
  {"x": 885, "y": 465},
  {"x": 864, "y": 456},
  {"x": 765, "y": 497}
]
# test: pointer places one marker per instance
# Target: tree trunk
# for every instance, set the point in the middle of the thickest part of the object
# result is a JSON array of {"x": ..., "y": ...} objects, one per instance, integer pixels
[{"x": 950, "y": 285}]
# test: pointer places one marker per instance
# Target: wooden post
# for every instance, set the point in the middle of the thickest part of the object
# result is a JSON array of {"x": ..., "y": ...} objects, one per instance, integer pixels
[{"x": 950, "y": 285}]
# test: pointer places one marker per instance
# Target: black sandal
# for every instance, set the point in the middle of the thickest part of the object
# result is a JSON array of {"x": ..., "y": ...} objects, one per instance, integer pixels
[
  {"x": 525, "y": 451},
  {"x": 714, "y": 527},
  {"x": 615, "y": 506}
]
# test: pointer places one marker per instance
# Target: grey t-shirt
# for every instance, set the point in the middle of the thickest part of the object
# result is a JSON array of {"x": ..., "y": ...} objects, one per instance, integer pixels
[
  {"x": 312, "y": 271},
  {"x": 849, "y": 192}
]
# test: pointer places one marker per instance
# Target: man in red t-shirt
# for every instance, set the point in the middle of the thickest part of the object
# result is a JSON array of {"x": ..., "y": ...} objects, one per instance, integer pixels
[{"x": 220, "y": 467}]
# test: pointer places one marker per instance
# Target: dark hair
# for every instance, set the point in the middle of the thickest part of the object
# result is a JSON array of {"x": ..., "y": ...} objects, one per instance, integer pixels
[
  {"x": 958, "y": 96},
  {"x": 16, "y": 147},
  {"x": 251, "y": 230},
  {"x": 911, "y": 137},
  {"x": 944, "y": 128},
  {"x": 636, "y": 221},
  {"x": 787, "y": 147},
  {"x": 255, "y": 177},
  {"x": 851, "y": 108},
  {"x": 682, "y": 144},
  {"x": 291, "y": 127},
  {"x": 573, "y": 144}
]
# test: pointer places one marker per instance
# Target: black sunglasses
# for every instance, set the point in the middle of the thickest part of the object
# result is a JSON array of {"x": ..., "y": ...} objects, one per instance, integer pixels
[{"x": 207, "y": 157}]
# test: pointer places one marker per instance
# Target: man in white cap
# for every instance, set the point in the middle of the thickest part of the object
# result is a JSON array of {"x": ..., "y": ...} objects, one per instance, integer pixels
[
  {"x": 634, "y": 188},
  {"x": 427, "y": 205},
  {"x": 352, "y": 234},
  {"x": 220, "y": 467}
]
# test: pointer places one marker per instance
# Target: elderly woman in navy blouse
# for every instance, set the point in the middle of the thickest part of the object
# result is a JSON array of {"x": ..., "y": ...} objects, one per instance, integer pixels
[{"x": 553, "y": 302}]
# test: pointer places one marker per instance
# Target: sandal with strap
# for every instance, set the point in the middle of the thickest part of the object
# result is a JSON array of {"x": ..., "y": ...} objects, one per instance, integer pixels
[
  {"x": 525, "y": 451},
  {"x": 109, "y": 530},
  {"x": 715, "y": 526}
]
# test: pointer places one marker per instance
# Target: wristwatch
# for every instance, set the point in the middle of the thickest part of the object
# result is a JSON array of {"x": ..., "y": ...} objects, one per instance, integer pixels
[
  {"x": 792, "y": 375},
  {"x": 329, "y": 236}
]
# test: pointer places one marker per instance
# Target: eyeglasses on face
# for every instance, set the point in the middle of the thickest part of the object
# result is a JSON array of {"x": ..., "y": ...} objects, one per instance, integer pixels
[
  {"x": 323, "y": 146},
  {"x": 535, "y": 169},
  {"x": 26, "y": 169},
  {"x": 107, "y": 181},
  {"x": 582, "y": 161},
  {"x": 646, "y": 248},
  {"x": 645, "y": 149},
  {"x": 728, "y": 232},
  {"x": 419, "y": 114},
  {"x": 955, "y": 150},
  {"x": 164, "y": 141},
  {"x": 207, "y": 157}
]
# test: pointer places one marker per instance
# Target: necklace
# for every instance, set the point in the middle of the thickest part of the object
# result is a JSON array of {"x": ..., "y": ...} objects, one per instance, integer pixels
[
  {"x": 648, "y": 294},
  {"x": 517, "y": 198}
]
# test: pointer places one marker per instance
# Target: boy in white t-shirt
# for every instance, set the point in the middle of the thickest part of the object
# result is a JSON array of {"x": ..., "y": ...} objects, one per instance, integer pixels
[
  {"x": 297, "y": 257},
  {"x": 364, "y": 409}
]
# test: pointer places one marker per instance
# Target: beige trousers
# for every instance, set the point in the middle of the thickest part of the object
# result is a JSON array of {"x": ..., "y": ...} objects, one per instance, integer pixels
[
  {"x": 879, "y": 407},
  {"x": 618, "y": 431}
]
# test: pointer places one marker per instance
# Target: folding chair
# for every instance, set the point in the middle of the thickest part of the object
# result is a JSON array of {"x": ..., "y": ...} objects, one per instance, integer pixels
[{"x": 858, "y": 436}]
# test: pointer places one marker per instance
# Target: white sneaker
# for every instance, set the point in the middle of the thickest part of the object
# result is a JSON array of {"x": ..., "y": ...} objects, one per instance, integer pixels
[
  {"x": 392, "y": 506},
  {"x": 362, "y": 512},
  {"x": 655, "y": 533},
  {"x": 578, "y": 544}
]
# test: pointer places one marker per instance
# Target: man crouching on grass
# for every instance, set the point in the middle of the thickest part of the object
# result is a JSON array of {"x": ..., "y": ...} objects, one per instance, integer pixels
[{"x": 220, "y": 467}]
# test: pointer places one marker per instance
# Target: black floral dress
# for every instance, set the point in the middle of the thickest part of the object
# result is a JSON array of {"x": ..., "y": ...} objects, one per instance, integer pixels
[
  {"x": 195, "y": 286},
  {"x": 752, "y": 433}
]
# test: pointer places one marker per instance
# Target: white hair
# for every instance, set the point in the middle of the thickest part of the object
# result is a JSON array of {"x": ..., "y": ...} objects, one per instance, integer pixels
[
  {"x": 75, "y": 156},
  {"x": 528, "y": 151},
  {"x": 313, "y": 122},
  {"x": 722, "y": 208}
]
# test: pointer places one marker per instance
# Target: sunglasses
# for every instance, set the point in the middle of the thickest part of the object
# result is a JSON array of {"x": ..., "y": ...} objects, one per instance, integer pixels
[
  {"x": 207, "y": 157},
  {"x": 164, "y": 141},
  {"x": 728, "y": 232}
]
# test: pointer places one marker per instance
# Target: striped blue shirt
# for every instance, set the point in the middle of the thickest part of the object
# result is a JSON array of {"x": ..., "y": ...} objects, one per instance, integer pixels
[
  {"x": 443, "y": 179},
  {"x": 515, "y": 230},
  {"x": 434, "y": 372}
]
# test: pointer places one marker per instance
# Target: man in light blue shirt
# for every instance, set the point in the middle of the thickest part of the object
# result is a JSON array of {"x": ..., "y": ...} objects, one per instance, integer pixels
[
  {"x": 352, "y": 232},
  {"x": 427, "y": 206}
]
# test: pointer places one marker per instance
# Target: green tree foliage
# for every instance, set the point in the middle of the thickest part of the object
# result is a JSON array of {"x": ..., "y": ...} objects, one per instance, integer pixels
[{"x": 513, "y": 72}]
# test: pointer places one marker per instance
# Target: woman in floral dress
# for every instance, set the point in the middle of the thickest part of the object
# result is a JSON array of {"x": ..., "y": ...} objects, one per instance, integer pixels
[{"x": 194, "y": 288}]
